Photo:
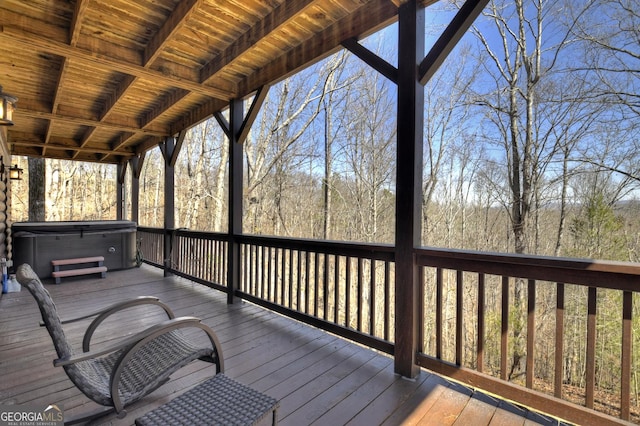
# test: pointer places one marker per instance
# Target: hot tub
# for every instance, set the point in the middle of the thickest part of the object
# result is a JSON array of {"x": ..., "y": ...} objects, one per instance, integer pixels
[{"x": 38, "y": 243}]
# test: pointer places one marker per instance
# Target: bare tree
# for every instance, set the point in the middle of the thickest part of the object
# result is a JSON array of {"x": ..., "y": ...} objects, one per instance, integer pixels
[
  {"x": 520, "y": 64},
  {"x": 201, "y": 173},
  {"x": 609, "y": 34},
  {"x": 368, "y": 156},
  {"x": 281, "y": 145},
  {"x": 446, "y": 112},
  {"x": 36, "y": 189}
]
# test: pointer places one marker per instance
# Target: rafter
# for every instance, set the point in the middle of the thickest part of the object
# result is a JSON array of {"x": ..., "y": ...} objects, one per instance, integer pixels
[
  {"x": 76, "y": 21},
  {"x": 279, "y": 16},
  {"x": 111, "y": 64},
  {"x": 88, "y": 122},
  {"x": 167, "y": 102},
  {"x": 85, "y": 138},
  {"x": 172, "y": 25},
  {"x": 27, "y": 140},
  {"x": 374, "y": 14},
  {"x": 124, "y": 85}
]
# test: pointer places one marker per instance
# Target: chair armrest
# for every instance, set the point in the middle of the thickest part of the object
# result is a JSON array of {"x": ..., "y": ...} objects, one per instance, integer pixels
[
  {"x": 131, "y": 351},
  {"x": 140, "y": 300},
  {"x": 152, "y": 300},
  {"x": 110, "y": 310},
  {"x": 130, "y": 342}
]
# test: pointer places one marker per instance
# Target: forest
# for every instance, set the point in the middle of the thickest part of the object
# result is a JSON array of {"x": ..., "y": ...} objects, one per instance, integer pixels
[{"x": 531, "y": 145}]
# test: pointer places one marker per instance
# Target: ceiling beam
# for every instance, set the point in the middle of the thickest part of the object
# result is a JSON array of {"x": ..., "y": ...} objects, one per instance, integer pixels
[
  {"x": 85, "y": 138},
  {"x": 66, "y": 155},
  {"x": 118, "y": 143},
  {"x": 372, "y": 15},
  {"x": 279, "y": 16},
  {"x": 76, "y": 21},
  {"x": 167, "y": 102},
  {"x": 55, "y": 145},
  {"x": 88, "y": 122},
  {"x": 15, "y": 35},
  {"x": 198, "y": 115},
  {"x": 172, "y": 25},
  {"x": 114, "y": 97},
  {"x": 56, "y": 99}
]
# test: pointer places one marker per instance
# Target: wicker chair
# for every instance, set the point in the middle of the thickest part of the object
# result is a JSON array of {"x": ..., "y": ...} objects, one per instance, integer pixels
[{"x": 118, "y": 375}]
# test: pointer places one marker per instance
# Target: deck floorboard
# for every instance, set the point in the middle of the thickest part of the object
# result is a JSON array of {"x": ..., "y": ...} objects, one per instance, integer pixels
[{"x": 318, "y": 378}]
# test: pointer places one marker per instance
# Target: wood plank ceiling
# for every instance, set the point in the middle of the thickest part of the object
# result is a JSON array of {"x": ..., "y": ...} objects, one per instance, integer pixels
[{"x": 104, "y": 80}]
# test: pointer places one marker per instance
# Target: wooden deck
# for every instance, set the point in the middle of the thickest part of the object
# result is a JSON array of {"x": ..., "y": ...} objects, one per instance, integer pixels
[{"x": 318, "y": 378}]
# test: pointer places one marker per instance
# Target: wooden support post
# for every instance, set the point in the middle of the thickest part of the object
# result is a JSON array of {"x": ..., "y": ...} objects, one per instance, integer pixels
[
  {"x": 408, "y": 184},
  {"x": 120, "y": 198},
  {"x": 135, "y": 188},
  {"x": 236, "y": 173},
  {"x": 169, "y": 205}
]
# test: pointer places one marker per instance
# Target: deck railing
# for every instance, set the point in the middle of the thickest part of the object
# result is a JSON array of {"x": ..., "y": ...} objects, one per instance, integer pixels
[
  {"x": 497, "y": 322},
  {"x": 344, "y": 288},
  {"x": 150, "y": 245},
  {"x": 512, "y": 333}
]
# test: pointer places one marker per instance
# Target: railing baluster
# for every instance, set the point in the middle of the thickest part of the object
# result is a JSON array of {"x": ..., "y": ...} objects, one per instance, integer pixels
[
  {"x": 336, "y": 289},
  {"x": 439, "y": 324},
  {"x": 277, "y": 260},
  {"x": 218, "y": 259},
  {"x": 591, "y": 347},
  {"x": 263, "y": 271},
  {"x": 359, "y": 300},
  {"x": 290, "y": 280},
  {"x": 480, "y": 325},
  {"x": 195, "y": 244},
  {"x": 283, "y": 278},
  {"x": 205, "y": 260},
  {"x": 531, "y": 328},
  {"x": 387, "y": 300},
  {"x": 270, "y": 269},
  {"x": 504, "y": 332},
  {"x": 625, "y": 382},
  {"x": 256, "y": 271},
  {"x": 200, "y": 255},
  {"x": 459, "y": 317},
  {"x": 307, "y": 268},
  {"x": 559, "y": 351},
  {"x": 372, "y": 298},
  {"x": 325, "y": 287},
  {"x": 299, "y": 282},
  {"x": 215, "y": 256},
  {"x": 251, "y": 275},
  {"x": 316, "y": 282},
  {"x": 225, "y": 262},
  {"x": 347, "y": 315},
  {"x": 421, "y": 311}
]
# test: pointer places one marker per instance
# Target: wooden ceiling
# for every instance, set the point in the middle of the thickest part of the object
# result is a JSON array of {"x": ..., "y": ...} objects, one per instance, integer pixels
[{"x": 104, "y": 80}]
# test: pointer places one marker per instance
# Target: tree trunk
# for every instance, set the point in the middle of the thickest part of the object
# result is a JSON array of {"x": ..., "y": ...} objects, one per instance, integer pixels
[{"x": 36, "y": 189}]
